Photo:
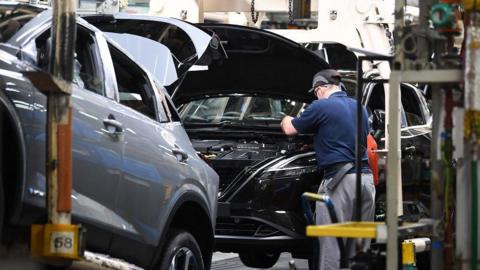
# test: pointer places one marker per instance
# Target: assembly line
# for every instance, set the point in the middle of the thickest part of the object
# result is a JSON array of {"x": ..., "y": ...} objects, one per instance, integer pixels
[{"x": 239, "y": 134}]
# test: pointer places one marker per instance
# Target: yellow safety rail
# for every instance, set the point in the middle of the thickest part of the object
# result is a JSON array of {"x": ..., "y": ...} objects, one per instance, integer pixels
[{"x": 348, "y": 229}]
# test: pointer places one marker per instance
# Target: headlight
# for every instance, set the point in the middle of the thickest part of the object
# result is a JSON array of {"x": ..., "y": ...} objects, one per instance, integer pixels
[
  {"x": 293, "y": 166},
  {"x": 289, "y": 172}
]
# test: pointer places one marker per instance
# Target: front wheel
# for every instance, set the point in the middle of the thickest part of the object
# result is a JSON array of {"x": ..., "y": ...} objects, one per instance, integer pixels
[
  {"x": 181, "y": 251},
  {"x": 259, "y": 260}
]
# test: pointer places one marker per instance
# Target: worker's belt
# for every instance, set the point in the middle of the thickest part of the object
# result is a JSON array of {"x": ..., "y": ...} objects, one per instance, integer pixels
[{"x": 341, "y": 169}]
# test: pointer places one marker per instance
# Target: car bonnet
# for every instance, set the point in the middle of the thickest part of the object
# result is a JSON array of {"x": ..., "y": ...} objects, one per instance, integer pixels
[{"x": 259, "y": 63}]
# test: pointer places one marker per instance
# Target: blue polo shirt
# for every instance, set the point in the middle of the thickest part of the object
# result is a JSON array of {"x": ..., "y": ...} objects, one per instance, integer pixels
[{"x": 332, "y": 120}]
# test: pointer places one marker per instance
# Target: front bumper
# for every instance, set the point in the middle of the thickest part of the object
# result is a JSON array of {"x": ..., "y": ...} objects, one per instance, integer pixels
[
  {"x": 249, "y": 233},
  {"x": 237, "y": 244}
]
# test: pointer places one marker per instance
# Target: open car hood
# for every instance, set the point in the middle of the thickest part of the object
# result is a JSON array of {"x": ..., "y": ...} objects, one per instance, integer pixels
[
  {"x": 258, "y": 63},
  {"x": 189, "y": 45}
]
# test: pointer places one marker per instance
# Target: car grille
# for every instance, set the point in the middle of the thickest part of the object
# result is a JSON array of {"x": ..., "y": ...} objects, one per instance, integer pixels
[{"x": 244, "y": 227}]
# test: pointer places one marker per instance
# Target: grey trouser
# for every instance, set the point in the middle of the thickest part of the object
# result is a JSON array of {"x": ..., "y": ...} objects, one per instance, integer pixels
[{"x": 343, "y": 198}]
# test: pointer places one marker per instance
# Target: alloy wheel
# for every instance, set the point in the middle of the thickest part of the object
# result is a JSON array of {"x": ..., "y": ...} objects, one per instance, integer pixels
[{"x": 183, "y": 259}]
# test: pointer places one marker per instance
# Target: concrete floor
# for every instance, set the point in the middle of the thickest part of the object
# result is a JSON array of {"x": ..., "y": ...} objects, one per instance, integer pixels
[
  {"x": 221, "y": 261},
  {"x": 234, "y": 263}
]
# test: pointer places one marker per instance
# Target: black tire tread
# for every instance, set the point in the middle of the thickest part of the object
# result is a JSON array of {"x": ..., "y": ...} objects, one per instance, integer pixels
[
  {"x": 259, "y": 259},
  {"x": 174, "y": 237}
]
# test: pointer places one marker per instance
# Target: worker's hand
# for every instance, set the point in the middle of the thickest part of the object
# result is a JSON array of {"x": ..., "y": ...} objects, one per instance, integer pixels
[{"x": 287, "y": 126}]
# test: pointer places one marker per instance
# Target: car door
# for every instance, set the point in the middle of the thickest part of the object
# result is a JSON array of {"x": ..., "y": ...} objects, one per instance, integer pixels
[
  {"x": 150, "y": 168},
  {"x": 97, "y": 138}
]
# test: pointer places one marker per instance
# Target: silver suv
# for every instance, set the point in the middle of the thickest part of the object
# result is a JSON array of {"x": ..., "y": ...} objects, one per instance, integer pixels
[{"x": 138, "y": 184}]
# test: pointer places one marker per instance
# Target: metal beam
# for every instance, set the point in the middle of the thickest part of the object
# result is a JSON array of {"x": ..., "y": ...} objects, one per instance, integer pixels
[
  {"x": 436, "y": 179},
  {"x": 432, "y": 76},
  {"x": 394, "y": 181},
  {"x": 463, "y": 205},
  {"x": 393, "y": 170},
  {"x": 201, "y": 11},
  {"x": 244, "y": 5}
]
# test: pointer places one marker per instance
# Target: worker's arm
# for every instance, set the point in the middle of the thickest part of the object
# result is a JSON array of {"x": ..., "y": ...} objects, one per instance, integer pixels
[{"x": 287, "y": 126}]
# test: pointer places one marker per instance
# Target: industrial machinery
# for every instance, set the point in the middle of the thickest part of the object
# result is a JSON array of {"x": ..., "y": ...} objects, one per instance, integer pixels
[
  {"x": 427, "y": 51},
  {"x": 430, "y": 55}
]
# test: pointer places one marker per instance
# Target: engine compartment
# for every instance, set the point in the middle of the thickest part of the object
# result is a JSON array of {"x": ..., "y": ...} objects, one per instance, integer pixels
[
  {"x": 230, "y": 156},
  {"x": 250, "y": 149}
]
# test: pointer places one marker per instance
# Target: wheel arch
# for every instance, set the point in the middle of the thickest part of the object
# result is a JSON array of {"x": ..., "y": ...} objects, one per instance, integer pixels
[
  {"x": 190, "y": 213},
  {"x": 13, "y": 168}
]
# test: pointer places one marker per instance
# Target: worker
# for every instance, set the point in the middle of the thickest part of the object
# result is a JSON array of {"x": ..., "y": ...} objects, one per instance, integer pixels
[{"x": 331, "y": 119}]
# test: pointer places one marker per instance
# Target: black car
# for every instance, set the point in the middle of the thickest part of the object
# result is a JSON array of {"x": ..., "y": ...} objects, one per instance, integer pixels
[{"x": 232, "y": 111}]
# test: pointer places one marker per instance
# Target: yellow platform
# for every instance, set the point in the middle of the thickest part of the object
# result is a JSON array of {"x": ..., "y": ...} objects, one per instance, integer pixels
[
  {"x": 348, "y": 229},
  {"x": 352, "y": 229}
]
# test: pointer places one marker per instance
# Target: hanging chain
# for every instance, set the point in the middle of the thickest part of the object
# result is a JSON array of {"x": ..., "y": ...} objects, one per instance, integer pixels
[
  {"x": 290, "y": 11},
  {"x": 389, "y": 35},
  {"x": 253, "y": 13}
]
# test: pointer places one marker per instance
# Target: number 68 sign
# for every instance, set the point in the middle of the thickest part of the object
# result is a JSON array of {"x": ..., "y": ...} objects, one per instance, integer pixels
[{"x": 62, "y": 242}]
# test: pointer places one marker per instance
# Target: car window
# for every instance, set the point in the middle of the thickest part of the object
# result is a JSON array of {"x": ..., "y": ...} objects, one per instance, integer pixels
[
  {"x": 411, "y": 105},
  {"x": 339, "y": 57},
  {"x": 376, "y": 101},
  {"x": 246, "y": 109},
  {"x": 12, "y": 19},
  {"x": 133, "y": 86},
  {"x": 154, "y": 56},
  {"x": 87, "y": 71},
  {"x": 166, "y": 108}
]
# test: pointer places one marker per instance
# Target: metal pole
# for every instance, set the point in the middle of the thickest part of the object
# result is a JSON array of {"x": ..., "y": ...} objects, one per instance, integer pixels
[
  {"x": 58, "y": 239},
  {"x": 358, "y": 144},
  {"x": 393, "y": 128},
  {"x": 393, "y": 171},
  {"x": 464, "y": 183},
  {"x": 399, "y": 58},
  {"x": 59, "y": 152},
  {"x": 436, "y": 183},
  {"x": 201, "y": 11}
]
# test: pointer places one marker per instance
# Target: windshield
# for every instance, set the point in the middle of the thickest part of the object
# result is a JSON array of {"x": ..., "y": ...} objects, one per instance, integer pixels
[{"x": 239, "y": 109}]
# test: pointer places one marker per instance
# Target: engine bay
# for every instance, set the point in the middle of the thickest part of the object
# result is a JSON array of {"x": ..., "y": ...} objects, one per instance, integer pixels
[
  {"x": 230, "y": 156},
  {"x": 248, "y": 149}
]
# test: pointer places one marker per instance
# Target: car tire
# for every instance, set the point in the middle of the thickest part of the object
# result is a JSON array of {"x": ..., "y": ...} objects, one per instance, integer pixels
[
  {"x": 181, "y": 248},
  {"x": 259, "y": 259}
]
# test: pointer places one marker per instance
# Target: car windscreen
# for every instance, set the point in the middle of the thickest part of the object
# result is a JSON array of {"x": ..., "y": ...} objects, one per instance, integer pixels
[
  {"x": 13, "y": 18},
  {"x": 245, "y": 110}
]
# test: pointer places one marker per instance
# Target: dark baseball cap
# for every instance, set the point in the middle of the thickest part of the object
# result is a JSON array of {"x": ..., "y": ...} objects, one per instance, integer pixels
[{"x": 326, "y": 76}]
